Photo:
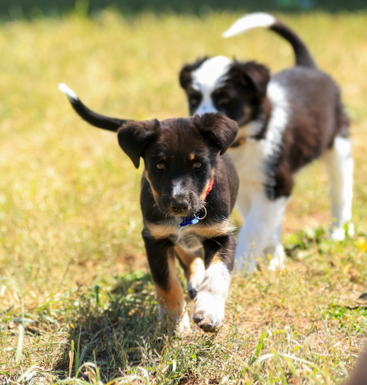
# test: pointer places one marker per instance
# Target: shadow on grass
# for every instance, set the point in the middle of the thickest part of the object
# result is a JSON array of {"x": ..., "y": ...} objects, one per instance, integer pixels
[{"x": 116, "y": 330}]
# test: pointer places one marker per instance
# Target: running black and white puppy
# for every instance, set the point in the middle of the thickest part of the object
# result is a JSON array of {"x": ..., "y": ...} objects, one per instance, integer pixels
[
  {"x": 189, "y": 188},
  {"x": 286, "y": 121}
]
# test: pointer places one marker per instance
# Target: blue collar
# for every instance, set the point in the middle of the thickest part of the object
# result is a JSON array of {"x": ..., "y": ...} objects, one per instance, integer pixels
[
  {"x": 193, "y": 219},
  {"x": 189, "y": 220}
]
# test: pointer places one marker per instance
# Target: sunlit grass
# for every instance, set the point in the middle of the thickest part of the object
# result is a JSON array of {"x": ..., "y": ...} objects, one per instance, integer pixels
[{"x": 70, "y": 223}]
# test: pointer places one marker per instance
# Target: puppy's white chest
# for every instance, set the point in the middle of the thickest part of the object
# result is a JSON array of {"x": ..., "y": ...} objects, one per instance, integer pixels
[
  {"x": 188, "y": 240},
  {"x": 250, "y": 163}
]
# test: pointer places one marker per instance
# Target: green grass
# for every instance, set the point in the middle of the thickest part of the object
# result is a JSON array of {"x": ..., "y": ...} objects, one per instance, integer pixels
[{"x": 74, "y": 280}]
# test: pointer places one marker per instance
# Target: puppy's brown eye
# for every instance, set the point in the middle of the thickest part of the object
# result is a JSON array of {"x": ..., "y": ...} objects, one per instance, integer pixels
[
  {"x": 194, "y": 102},
  {"x": 197, "y": 165},
  {"x": 160, "y": 166}
]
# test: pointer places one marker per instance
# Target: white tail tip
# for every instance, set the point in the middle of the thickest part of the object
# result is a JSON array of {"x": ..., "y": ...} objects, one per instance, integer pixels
[
  {"x": 251, "y": 21},
  {"x": 68, "y": 92}
]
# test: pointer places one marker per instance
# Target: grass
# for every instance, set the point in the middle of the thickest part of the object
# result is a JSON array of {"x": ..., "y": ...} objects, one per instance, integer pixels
[{"x": 76, "y": 299}]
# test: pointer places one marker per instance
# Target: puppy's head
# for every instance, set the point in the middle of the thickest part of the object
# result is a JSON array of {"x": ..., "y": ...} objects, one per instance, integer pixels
[
  {"x": 218, "y": 85},
  {"x": 180, "y": 157}
]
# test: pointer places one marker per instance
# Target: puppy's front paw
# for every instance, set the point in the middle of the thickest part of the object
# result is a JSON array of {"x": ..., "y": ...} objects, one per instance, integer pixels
[
  {"x": 339, "y": 233},
  {"x": 208, "y": 312},
  {"x": 277, "y": 261}
]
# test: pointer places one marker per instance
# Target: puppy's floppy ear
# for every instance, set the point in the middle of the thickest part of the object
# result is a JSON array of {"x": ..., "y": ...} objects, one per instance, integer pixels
[
  {"x": 251, "y": 75},
  {"x": 218, "y": 128},
  {"x": 134, "y": 136}
]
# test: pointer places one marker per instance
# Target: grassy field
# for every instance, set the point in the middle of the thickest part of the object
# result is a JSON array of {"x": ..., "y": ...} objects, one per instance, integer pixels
[{"x": 76, "y": 297}]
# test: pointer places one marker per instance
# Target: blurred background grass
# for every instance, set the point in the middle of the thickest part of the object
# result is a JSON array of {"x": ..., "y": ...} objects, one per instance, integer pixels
[
  {"x": 69, "y": 197},
  {"x": 13, "y": 9}
]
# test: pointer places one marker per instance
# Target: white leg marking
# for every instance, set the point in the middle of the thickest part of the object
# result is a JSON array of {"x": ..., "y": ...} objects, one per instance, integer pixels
[
  {"x": 211, "y": 298},
  {"x": 276, "y": 249},
  {"x": 261, "y": 224},
  {"x": 263, "y": 217},
  {"x": 339, "y": 165}
]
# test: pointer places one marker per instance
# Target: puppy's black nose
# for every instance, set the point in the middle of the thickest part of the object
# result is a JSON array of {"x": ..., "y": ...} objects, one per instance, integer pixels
[{"x": 179, "y": 205}]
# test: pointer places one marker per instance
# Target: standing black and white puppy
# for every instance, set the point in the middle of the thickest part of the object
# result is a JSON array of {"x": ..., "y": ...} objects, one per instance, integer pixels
[
  {"x": 189, "y": 188},
  {"x": 286, "y": 121}
]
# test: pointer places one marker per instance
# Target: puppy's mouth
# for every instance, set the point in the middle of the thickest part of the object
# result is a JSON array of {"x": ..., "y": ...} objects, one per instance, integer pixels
[
  {"x": 173, "y": 210},
  {"x": 178, "y": 212}
]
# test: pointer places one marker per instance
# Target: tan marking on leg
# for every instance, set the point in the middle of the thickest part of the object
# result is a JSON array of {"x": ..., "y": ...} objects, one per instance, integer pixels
[
  {"x": 155, "y": 194},
  {"x": 160, "y": 231},
  {"x": 172, "y": 299},
  {"x": 194, "y": 269}
]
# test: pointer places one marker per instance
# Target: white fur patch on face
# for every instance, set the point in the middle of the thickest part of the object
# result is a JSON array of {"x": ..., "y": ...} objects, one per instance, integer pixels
[
  {"x": 248, "y": 22},
  {"x": 207, "y": 78},
  {"x": 71, "y": 95}
]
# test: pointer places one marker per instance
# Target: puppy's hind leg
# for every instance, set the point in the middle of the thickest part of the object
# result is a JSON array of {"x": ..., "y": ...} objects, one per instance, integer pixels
[
  {"x": 276, "y": 249},
  {"x": 262, "y": 224},
  {"x": 167, "y": 285},
  {"x": 339, "y": 165},
  {"x": 194, "y": 270}
]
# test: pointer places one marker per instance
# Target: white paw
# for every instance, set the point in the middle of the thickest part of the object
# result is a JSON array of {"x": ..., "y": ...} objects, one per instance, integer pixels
[
  {"x": 350, "y": 229},
  {"x": 338, "y": 233},
  {"x": 277, "y": 261},
  {"x": 179, "y": 316},
  {"x": 209, "y": 311}
]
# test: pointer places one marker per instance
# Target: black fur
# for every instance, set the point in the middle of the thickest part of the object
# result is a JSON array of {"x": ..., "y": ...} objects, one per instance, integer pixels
[
  {"x": 181, "y": 157},
  {"x": 315, "y": 113},
  {"x": 97, "y": 120}
]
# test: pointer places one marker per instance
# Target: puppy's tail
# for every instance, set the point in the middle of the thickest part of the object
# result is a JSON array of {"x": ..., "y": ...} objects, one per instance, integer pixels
[
  {"x": 264, "y": 20},
  {"x": 97, "y": 120}
]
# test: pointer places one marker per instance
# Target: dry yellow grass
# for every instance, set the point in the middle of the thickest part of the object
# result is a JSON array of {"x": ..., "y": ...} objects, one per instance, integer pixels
[{"x": 70, "y": 244}]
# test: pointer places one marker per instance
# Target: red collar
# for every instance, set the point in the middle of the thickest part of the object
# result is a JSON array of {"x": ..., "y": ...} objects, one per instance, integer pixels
[{"x": 210, "y": 188}]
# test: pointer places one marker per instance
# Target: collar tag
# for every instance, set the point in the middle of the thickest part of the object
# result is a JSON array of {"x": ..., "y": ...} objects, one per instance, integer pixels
[
  {"x": 193, "y": 220},
  {"x": 189, "y": 220}
]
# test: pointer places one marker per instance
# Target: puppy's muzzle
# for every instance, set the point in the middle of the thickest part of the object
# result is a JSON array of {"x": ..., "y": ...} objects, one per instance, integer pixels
[{"x": 179, "y": 205}]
